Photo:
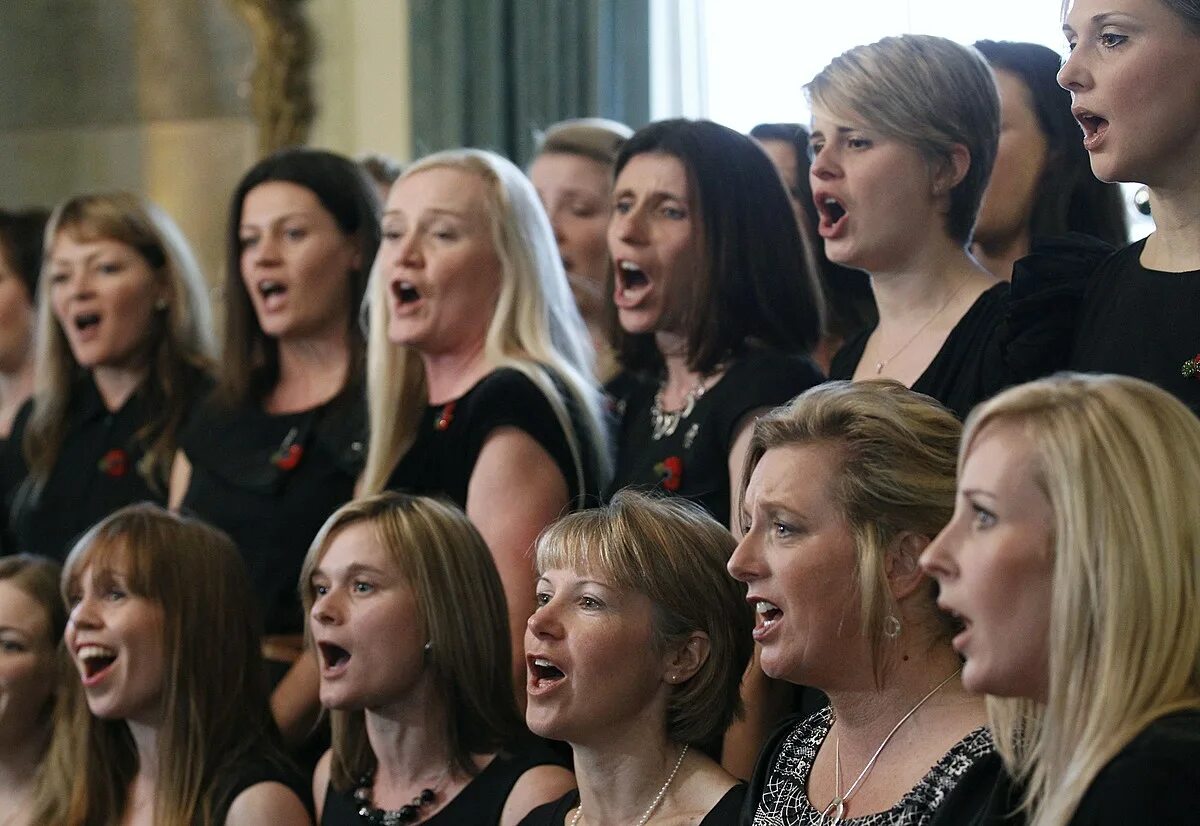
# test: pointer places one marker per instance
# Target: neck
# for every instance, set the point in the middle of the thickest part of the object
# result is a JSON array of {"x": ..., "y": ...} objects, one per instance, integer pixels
[
  {"x": 680, "y": 378},
  {"x": 618, "y": 784},
  {"x": 409, "y": 743},
  {"x": 117, "y": 384},
  {"x": 911, "y": 294},
  {"x": 311, "y": 371},
  {"x": 1175, "y": 244},
  {"x": 145, "y": 739},
  {"x": 449, "y": 375},
  {"x": 997, "y": 255}
]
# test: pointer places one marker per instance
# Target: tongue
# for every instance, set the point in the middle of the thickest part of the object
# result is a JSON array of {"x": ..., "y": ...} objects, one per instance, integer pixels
[{"x": 94, "y": 665}]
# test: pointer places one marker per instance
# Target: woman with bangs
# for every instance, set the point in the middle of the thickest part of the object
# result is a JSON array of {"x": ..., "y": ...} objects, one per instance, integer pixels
[
  {"x": 35, "y": 694},
  {"x": 123, "y": 344},
  {"x": 1073, "y": 562},
  {"x": 480, "y": 369},
  {"x": 904, "y": 136},
  {"x": 176, "y": 730},
  {"x": 635, "y": 656},
  {"x": 407, "y": 617}
]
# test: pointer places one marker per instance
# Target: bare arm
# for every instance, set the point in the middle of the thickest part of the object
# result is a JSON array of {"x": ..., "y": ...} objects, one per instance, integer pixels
[
  {"x": 516, "y": 489},
  {"x": 295, "y": 703},
  {"x": 541, "y": 784},
  {"x": 267, "y": 803},
  {"x": 181, "y": 477}
]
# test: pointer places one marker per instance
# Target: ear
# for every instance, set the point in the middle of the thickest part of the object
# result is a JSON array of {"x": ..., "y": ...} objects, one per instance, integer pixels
[
  {"x": 684, "y": 659},
  {"x": 952, "y": 170},
  {"x": 904, "y": 574}
]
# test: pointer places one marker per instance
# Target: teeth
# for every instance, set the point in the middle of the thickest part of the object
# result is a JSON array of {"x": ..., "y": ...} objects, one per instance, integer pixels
[
  {"x": 88, "y": 652},
  {"x": 629, "y": 266},
  {"x": 762, "y": 606},
  {"x": 542, "y": 662}
]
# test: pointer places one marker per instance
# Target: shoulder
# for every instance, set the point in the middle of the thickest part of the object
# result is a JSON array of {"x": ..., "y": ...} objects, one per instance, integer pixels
[
  {"x": 553, "y": 813},
  {"x": 262, "y": 788},
  {"x": 267, "y": 802},
  {"x": 846, "y": 359},
  {"x": 535, "y": 787},
  {"x": 762, "y": 379}
]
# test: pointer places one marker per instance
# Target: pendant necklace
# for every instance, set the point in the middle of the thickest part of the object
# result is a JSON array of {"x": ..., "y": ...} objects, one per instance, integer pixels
[
  {"x": 664, "y": 423},
  {"x": 879, "y": 365}
]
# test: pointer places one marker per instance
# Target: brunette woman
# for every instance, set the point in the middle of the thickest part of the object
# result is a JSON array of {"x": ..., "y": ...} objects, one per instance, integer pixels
[{"x": 20, "y": 264}]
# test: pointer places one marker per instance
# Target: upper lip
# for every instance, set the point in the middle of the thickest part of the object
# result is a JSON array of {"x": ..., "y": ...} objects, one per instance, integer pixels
[
  {"x": 945, "y": 607},
  {"x": 79, "y": 646},
  {"x": 1080, "y": 112}
]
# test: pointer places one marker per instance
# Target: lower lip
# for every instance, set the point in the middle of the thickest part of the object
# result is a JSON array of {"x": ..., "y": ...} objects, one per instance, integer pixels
[
  {"x": 1093, "y": 141},
  {"x": 959, "y": 643},
  {"x": 764, "y": 629},
  {"x": 537, "y": 687},
  {"x": 86, "y": 335},
  {"x": 630, "y": 299},
  {"x": 833, "y": 230},
  {"x": 274, "y": 302},
  {"x": 407, "y": 308},
  {"x": 99, "y": 676}
]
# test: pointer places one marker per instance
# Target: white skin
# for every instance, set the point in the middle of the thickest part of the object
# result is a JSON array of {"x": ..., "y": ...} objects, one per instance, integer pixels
[
  {"x": 27, "y": 680},
  {"x": 1134, "y": 78},
  {"x": 895, "y": 229},
  {"x": 441, "y": 277},
  {"x": 994, "y": 564},
  {"x": 107, "y": 617},
  {"x": 610, "y": 702},
  {"x": 798, "y": 557},
  {"x": 295, "y": 264},
  {"x": 656, "y": 230},
  {"x": 110, "y": 284},
  {"x": 367, "y": 628},
  {"x": 16, "y": 344}
]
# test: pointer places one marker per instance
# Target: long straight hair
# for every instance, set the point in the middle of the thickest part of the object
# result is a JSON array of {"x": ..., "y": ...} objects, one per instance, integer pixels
[
  {"x": 536, "y": 329},
  {"x": 214, "y": 696},
  {"x": 1117, "y": 459}
]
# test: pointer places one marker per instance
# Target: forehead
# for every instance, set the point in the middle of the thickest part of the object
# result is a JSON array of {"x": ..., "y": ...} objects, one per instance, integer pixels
[
  {"x": 356, "y": 544},
  {"x": 801, "y": 476},
  {"x": 21, "y": 611},
  {"x": 654, "y": 172},
  {"x": 568, "y": 170},
  {"x": 279, "y": 197},
  {"x": 1000, "y": 458},
  {"x": 1082, "y": 11},
  {"x": 439, "y": 188},
  {"x": 75, "y": 243}
]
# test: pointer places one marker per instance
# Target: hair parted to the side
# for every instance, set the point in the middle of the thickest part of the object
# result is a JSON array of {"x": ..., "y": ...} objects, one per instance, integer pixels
[
  {"x": 750, "y": 294},
  {"x": 250, "y": 357},
  {"x": 214, "y": 694},
  {"x": 38, "y": 578},
  {"x": 897, "y": 472},
  {"x": 535, "y": 329},
  {"x": 673, "y": 552},
  {"x": 1117, "y": 458},
  {"x": 1069, "y": 197},
  {"x": 445, "y": 561},
  {"x": 180, "y": 336},
  {"x": 929, "y": 93},
  {"x": 599, "y": 139}
]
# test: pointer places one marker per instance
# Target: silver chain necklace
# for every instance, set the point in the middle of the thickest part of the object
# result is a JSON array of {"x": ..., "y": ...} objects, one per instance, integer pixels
[
  {"x": 664, "y": 423},
  {"x": 653, "y": 804}
]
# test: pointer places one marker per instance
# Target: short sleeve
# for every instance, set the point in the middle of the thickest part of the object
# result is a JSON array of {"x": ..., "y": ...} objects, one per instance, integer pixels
[{"x": 764, "y": 380}]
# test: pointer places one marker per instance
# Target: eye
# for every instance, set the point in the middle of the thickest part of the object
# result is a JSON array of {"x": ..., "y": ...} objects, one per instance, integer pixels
[
  {"x": 110, "y": 267},
  {"x": 11, "y": 647},
  {"x": 814, "y": 149},
  {"x": 584, "y": 211},
  {"x": 361, "y": 587},
  {"x": 623, "y": 206},
  {"x": 320, "y": 590},
  {"x": 392, "y": 235},
  {"x": 115, "y": 594},
  {"x": 855, "y": 142},
  {"x": 248, "y": 241},
  {"x": 59, "y": 278},
  {"x": 1110, "y": 40},
  {"x": 781, "y": 529},
  {"x": 590, "y": 603},
  {"x": 541, "y": 598},
  {"x": 295, "y": 234},
  {"x": 673, "y": 212},
  {"x": 445, "y": 234},
  {"x": 982, "y": 518}
]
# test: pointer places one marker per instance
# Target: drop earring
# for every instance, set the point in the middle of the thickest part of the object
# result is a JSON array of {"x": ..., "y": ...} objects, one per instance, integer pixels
[{"x": 891, "y": 627}]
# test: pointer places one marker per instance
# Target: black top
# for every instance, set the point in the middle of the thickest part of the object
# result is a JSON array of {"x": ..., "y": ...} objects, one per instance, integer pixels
[
  {"x": 451, "y": 436},
  {"x": 96, "y": 472},
  {"x": 251, "y": 771},
  {"x": 480, "y": 802},
  {"x": 725, "y": 813},
  {"x": 968, "y": 369},
  {"x": 693, "y": 462},
  {"x": 778, "y": 794},
  {"x": 1155, "y": 780},
  {"x": 270, "y": 482}
]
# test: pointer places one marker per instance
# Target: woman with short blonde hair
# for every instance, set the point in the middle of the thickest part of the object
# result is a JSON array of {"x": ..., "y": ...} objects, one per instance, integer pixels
[{"x": 1074, "y": 561}]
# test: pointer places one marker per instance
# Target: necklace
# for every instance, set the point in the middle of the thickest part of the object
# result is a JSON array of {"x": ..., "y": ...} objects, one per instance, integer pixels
[
  {"x": 837, "y": 806},
  {"x": 408, "y": 813},
  {"x": 665, "y": 422},
  {"x": 653, "y": 803},
  {"x": 879, "y": 365}
]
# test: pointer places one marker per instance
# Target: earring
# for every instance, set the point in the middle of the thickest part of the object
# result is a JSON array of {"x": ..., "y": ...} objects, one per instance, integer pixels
[
  {"x": 891, "y": 627},
  {"x": 160, "y": 304},
  {"x": 428, "y": 649}
]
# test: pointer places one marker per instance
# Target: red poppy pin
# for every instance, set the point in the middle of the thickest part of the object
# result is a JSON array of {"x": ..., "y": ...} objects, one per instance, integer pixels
[
  {"x": 445, "y": 418},
  {"x": 114, "y": 464},
  {"x": 670, "y": 473},
  {"x": 1191, "y": 368},
  {"x": 289, "y": 453}
]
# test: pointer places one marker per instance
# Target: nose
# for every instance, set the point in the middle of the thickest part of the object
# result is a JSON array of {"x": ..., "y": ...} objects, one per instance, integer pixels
[
  {"x": 326, "y": 610},
  {"x": 627, "y": 227},
  {"x": 266, "y": 250},
  {"x": 937, "y": 560},
  {"x": 745, "y": 565},
  {"x": 545, "y": 622},
  {"x": 824, "y": 165},
  {"x": 84, "y": 614},
  {"x": 407, "y": 251},
  {"x": 1073, "y": 75}
]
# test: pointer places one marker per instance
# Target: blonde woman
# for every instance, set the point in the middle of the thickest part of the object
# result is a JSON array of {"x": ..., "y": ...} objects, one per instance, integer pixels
[
  {"x": 842, "y": 491},
  {"x": 176, "y": 728},
  {"x": 1073, "y": 562},
  {"x": 479, "y": 368},
  {"x": 407, "y": 619},
  {"x": 123, "y": 343}
]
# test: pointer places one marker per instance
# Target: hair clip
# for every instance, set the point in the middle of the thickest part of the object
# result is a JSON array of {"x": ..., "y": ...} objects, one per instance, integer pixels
[{"x": 114, "y": 464}]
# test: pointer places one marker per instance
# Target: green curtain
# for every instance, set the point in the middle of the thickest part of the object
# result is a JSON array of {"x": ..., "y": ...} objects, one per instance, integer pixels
[{"x": 491, "y": 73}]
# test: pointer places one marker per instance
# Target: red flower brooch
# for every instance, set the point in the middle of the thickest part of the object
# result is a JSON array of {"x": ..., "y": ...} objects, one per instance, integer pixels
[
  {"x": 289, "y": 453},
  {"x": 1191, "y": 368},
  {"x": 670, "y": 473},
  {"x": 445, "y": 418},
  {"x": 114, "y": 464}
]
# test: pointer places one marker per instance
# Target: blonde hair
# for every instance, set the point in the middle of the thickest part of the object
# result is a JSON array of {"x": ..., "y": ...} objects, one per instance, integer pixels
[
  {"x": 181, "y": 333},
  {"x": 897, "y": 452},
  {"x": 1118, "y": 460},
  {"x": 445, "y": 561},
  {"x": 214, "y": 694},
  {"x": 536, "y": 329},
  {"x": 599, "y": 139},
  {"x": 673, "y": 552},
  {"x": 929, "y": 93}
]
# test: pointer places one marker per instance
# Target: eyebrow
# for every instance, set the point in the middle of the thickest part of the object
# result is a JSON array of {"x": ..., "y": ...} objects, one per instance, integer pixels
[
  {"x": 658, "y": 194},
  {"x": 278, "y": 219},
  {"x": 978, "y": 492},
  {"x": 352, "y": 569},
  {"x": 1100, "y": 19}
]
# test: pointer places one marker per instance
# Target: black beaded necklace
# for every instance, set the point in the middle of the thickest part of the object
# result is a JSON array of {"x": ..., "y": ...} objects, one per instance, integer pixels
[{"x": 408, "y": 813}]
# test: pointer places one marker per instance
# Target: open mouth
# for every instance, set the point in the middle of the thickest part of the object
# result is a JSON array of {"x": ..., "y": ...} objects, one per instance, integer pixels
[
  {"x": 1093, "y": 127},
  {"x": 543, "y": 673},
  {"x": 630, "y": 276},
  {"x": 333, "y": 656},
  {"x": 86, "y": 321},
  {"x": 832, "y": 213},
  {"x": 269, "y": 289},
  {"x": 768, "y": 614},
  {"x": 405, "y": 292},
  {"x": 95, "y": 661}
]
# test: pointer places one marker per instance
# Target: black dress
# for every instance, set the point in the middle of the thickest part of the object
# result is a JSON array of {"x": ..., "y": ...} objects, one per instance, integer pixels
[
  {"x": 451, "y": 436},
  {"x": 693, "y": 462},
  {"x": 95, "y": 474},
  {"x": 725, "y": 813},
  {"x": 251, "y": 771},
  {"x": 1155, "y": 780},
  {"x": 778, "y": 794},
  {"x": 969, "y": 368},
  {"x": 270, "y": 482},
  {"x": 480, "y": 803}
]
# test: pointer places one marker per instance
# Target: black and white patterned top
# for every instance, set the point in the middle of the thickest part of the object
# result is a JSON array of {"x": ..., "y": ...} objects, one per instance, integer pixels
[{"x": 780, "y": 784}]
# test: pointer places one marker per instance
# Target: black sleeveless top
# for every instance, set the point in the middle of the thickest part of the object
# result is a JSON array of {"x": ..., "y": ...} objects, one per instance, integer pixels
[
  {"x": 250, "y": 771},
  {"x": 480, "y": 802},
  {"x": 725, "y": 813},
  {"x": 270, "y": 482},
  {"x": 451, "y": 436}
]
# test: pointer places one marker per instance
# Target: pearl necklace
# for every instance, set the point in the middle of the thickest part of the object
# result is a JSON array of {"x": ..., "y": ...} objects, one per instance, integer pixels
[
  {"x": 837, "y": 806},
  {"x": 654, "y": 803}
]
